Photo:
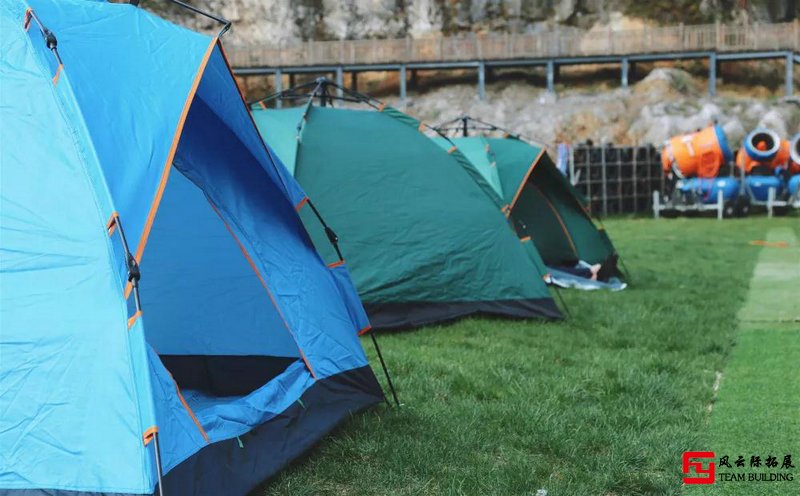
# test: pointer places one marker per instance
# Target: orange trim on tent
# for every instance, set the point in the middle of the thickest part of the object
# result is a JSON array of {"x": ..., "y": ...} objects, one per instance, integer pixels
[
  {"x": 252, "y": 264},
  {"x": 28, "y": 15},
  {"x": 336, "y": 264},
  {"x": 525, "y": 180},
  {"x": 235, "y": 81},
  {"x": 559, "y": 219},
  {"x": 452, "y": 149},
  {"x": 58, "y": 74},
  {"x": 111, "y": 225},
  {"x": 112, "y": 219},
  {"x": 134, "y": 318},
  {"x": 525, "y": 239},
  {"x": 262, "y": 104},
  {"x": 421, "y": 127},
  {"x": 171, "y": 156},
  {"x": 189, "y": 409},
  {"x": 364, "y": 330},
  {"x": 301, "y": 204},
  {"x": 149, "y": 434},
  {"x": 264, "y": 283},
  {"x": 381, "y": 107},
  {"x": 252, "y": 119}
]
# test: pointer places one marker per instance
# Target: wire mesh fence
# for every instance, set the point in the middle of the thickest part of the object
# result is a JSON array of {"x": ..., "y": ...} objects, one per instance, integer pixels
[{"x": 616, "y": 179}]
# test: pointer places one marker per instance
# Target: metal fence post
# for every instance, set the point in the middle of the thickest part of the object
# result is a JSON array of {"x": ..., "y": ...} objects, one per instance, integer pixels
[
  {"x": 712, "y": 74},
  {"x": 619, "y": 180},
  {"x": 635, "y": 180},
  {"x": 625, "y": 68},
  {"x": 656, "y": 205},
  {"x": 339, "y": 81},
  {"x": 278, "y": 87},
  {"x": 402, "y": 84},
  {"x": 587, "y": 173},
  {"x": 603, "y": 175},
  {"x": 571, "y": 164},
  {"x": 482, "y": 80}
]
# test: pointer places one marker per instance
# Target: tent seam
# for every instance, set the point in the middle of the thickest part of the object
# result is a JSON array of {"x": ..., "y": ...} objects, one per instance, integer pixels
[
  {"x": 172, "y": 151},
  {"x": 525, "y": 180}
]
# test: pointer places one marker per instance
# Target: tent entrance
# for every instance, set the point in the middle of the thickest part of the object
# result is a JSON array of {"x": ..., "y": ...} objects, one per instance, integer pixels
[
  {"x": 228, "y": 375},
  {"x": 208, "y": 316}
]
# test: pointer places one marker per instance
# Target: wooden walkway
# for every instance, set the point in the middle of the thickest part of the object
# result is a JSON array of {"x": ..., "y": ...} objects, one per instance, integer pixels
[
  {"x": 552, "y": 49},
  {"x": 562, "y": 42}
]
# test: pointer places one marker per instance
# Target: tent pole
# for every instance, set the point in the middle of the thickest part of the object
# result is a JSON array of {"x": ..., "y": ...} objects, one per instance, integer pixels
[
  {"x": 133, "y": 278},
  {"x": 561, "y": 299},
  {"x": 159, "y": 472},
  {"x": 385, "y": 369},
  {"x": 334, "y": 240},
  {"x": 226, "y": 24}
]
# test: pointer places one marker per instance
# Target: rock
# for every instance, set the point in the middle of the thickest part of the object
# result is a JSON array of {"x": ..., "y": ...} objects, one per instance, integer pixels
[
  {"x": 644, "y": 114},
  {"x": 773, "y": 120},
  {"x": 734, "y": 131},
  {"x": 666, "y": 102},
  {"x": 270, "y": 22}
]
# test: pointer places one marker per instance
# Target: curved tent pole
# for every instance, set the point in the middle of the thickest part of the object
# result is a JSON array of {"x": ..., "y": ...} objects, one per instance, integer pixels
[
  {"x": 462, "y": 125},
  {"x": 334, "y": 240},
  {"x": 134, "y": 274},
  {"x": 320, "y": 90},
  {"x": 466, "y": 123},
  {"x": 226, "y": 24}
]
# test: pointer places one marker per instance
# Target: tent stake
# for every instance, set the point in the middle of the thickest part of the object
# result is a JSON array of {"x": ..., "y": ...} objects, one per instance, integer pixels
[
  {"x": 385, "y": 369},
  {"x": 159, "y": 472}
]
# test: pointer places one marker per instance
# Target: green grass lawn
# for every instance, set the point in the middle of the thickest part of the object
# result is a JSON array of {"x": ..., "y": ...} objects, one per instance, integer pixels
[
  {"x": 757, "y": 412},
  {"x": 602, "y": 404}
]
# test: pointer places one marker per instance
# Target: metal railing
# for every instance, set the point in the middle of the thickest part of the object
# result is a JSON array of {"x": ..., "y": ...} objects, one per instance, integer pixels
[{"x": 558, "y": 42}]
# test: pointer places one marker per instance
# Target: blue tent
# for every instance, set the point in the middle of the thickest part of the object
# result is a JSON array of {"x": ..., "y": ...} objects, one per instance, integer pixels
[{"x": 127, "y": 149}]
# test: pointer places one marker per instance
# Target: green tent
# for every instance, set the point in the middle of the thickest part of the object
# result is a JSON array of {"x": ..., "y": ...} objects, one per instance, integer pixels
[
  {"x": 540, "y": 201},
  {"x": 424, "y": 241}
]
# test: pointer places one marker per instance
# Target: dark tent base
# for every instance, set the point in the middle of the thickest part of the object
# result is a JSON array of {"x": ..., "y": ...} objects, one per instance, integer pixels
[
  {"x": 396, "y": 316},
  {"x": 226, "y": 468}
]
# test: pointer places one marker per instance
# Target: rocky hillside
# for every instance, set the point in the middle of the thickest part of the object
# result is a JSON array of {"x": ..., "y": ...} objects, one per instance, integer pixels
[
  {"x": 665, "y": 103},
  {"x": 286, "y": 21}
]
